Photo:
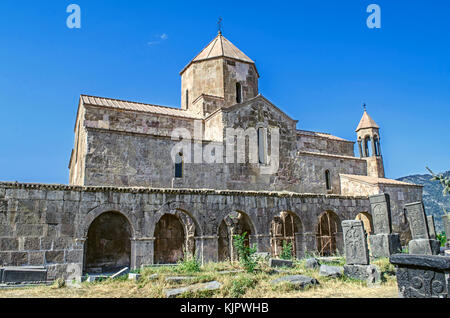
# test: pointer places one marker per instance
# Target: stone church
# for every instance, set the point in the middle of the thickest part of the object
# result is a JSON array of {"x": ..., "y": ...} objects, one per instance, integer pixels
[{"x": 150, "y": 183}]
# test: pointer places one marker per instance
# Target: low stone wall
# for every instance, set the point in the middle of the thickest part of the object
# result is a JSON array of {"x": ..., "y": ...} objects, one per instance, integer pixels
[{"x": 49, "y": 224}]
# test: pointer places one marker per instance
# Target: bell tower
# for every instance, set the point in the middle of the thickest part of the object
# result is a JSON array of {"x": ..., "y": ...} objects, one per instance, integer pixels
[
  {"x": 369, "y": 144},
  {"x": 219, "y": 76}
]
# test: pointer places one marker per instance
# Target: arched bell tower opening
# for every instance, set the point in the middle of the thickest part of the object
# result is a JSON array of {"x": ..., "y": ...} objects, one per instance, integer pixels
[{"x": 369, "y": 144}]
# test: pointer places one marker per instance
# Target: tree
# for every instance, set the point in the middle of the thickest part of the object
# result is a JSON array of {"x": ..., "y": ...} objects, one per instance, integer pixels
[{"x": 445, "y": 181}]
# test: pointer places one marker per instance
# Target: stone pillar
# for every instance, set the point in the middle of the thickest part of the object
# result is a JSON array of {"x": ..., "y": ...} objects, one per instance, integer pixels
[
  {"x": 431, "y": 227},
  {"x": 373, "y": 147},
  {"x": 360, "y": 149},
  {"x": 383, "y": 243},
  {"x": 446, "y": 222},
  {"x": 210, "y": 248},
  {"x": 421, "y": 242},
  {"x": 299, "y": 243},
  {"x": 310, "y": 242},
  {"x": 142, "y": 252},
  {"x": 262, "y": 242}
]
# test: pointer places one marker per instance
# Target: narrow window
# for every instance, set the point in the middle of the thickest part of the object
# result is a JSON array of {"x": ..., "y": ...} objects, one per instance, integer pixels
[
  {"x": 262, "y": 151},
  {"x": 328, "y": 179},
  {"x": 187, "y": 99},
  {"x": 238, "y": 93},
  {"x": 376, "y": 144},
  {"x": 179, "y": 165},
  {"x": 367, "y": 147}
]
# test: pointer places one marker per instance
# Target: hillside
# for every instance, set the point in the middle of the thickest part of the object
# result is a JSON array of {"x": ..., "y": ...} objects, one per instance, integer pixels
[{"x": 433, "y": 198}]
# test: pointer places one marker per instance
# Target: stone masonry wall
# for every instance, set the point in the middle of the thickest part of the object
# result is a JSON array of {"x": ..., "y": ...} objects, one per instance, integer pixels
[{"x": 48, "y": 224}]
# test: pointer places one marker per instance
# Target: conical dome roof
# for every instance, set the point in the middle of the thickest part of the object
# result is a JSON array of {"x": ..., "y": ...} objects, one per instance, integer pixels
[
  {"x": 220, "y": 47},
  {"x": 367, "y": 122}
]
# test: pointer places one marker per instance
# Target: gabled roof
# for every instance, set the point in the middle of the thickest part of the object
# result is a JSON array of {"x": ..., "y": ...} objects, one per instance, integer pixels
[
  {"x": 367, "y": 122},
  {"x": 220, "y": 47},
  {"x": 375, "y": 180},
  {"x": 134, "y": 106}
]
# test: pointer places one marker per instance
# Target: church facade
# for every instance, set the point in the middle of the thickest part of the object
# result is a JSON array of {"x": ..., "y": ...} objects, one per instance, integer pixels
[{"x": 149, "y": 183}]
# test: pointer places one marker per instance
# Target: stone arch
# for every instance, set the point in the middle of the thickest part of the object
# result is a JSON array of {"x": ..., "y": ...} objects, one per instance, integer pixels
[
  {"x": 170, "y": 240},
  {"x": 108, "y": 243},
  {"x": 366, "y": 217},
  {"x": 286, "y": 227},
  {"x": 83, "y": 229},
  {"x": 329, "y": 233},
  {"x": 236, "y": 222}
]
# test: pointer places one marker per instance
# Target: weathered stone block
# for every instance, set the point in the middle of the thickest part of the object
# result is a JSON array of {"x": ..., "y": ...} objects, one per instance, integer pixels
[
  {"x": 29, "y": 230},
  {"x": 331, "y": 271},
  {"x": 424, "y": 247},
  {"x": 74, "y": 256},
  {"x": 418, "y": 224},
  {"x": 381, "y": 213},
  {"x": 312, "y": 263},
  {"x": 52, "y": 257},
  {"x": 422, "y": 276},
  {"x": 211, "y": 286},
  {"x": 280, "y": 263},
  {"x": 9, "y": 244},
  {"x": 369, "y": 273},
  {"x": 356, "y": 250},
  {"x": 385, "y": 245},
  {"x": 19, "y": 258},
  {"x": 299, "y": 281},
  {"x": 23, "y": 275},
  {"x": 431, "y": 227},
  {"x": 36, "y": 258},
  {"x": 32, "y": 243},
  {"x": 134, "y": 277}
]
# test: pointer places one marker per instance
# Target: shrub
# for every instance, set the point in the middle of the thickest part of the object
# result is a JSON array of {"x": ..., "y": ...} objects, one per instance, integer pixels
[
  {"x": 245, "y": 253},
  {"x": 286, "y": 252},
  {"x": 442, "y": 238},
  {"x": 190, "y": 264},
  {"x": 240, "y": 285}
]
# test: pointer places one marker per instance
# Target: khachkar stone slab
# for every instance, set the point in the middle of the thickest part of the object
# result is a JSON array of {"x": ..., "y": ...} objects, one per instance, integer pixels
[
  {"x": 431, "y": 227},
  {"x": 381, "y": 213},
  {"x": 383, "y": 243},
  {"x": 17, "y": 275},
  {"x": 446, "y": 221},
  {"x": 355, "y": 243},
  {"x": 422, "y": 276},
  {"x": 421, "y": 242}
]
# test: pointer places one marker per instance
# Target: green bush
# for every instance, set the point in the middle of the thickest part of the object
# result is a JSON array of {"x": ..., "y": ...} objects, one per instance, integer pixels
[
  {"x": 245, "y": 253},
  {"x": 240, "y": 285},
  {"x": 442, "y": 238},
  {"x": 189, "y": 264},
  {"x": 286, "y": 252}
]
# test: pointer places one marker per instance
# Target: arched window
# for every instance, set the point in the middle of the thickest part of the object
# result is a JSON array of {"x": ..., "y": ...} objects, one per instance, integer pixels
[
  {"x": 179, "y": 165},
  {"x": 238, "y": 93},
  {"x": 367, "y": 146},
  {"x": 328, "y": 179},
  {"x": 187, "y": 99},
  {"x": 262, "y": 146},
  {"x": 376, "y": 144}
]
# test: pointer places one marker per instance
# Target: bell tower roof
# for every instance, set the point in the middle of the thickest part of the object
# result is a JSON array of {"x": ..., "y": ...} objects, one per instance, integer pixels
[
  {"x": 220, "y": 47},
  {"x": 367, "y": 122}
]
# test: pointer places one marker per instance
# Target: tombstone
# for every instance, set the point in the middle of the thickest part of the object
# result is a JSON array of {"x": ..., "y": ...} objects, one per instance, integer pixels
[
  {"x": 431, "y": 227},
  {"x": 383, "y": 243},
  {"x": 421, "y": 242},
  {"x": 422, "y": 276},
  {"x": 357, "y": 253},
  {"x": 446, "y": 221},
  {"x": 355, "y": 243}
]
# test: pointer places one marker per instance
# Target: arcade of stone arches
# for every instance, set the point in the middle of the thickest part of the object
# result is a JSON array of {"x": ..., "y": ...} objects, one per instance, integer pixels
[{"x": 108, "y": 245}]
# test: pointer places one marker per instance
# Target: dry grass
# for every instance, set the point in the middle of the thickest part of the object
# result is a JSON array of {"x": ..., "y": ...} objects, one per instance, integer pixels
[{"x": 234, "y": 285}]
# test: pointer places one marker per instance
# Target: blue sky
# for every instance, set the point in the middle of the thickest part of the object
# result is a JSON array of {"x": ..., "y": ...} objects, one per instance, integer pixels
[{"x": 318, "y": 61}]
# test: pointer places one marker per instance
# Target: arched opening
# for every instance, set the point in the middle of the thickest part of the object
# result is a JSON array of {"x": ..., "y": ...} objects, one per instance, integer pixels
[
  {"x": 328, "y": 179},
  {"x": 179, "y": 165},
  {"x": 376, "y": 144},
  {"x": 367, "y": 146},
  {"x": 238, "y": 93},
  {"x": 286, "y": 228},
  {"x": 108, "y": 245},
  {"x": 367, "y": 221},
  {"x": 187, "y": 99},
  {"x": 328, "y": 228},
  {"x": 174, "y": 236},
  {"x": 235, "y": 223}
]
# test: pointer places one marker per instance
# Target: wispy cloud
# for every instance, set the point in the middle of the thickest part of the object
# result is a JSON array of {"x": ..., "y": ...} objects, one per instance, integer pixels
[{"x": 161, "y": 38}]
